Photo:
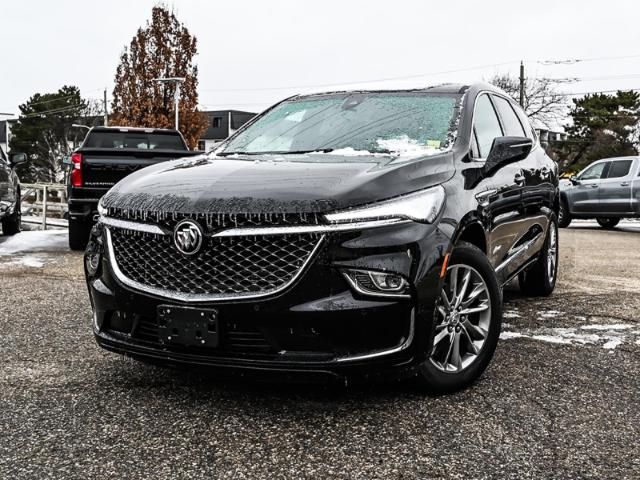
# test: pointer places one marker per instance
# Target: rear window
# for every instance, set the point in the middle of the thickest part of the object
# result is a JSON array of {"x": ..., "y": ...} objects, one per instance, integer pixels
[
  {"x": 135, "y": 140},
  {"x": 619, "y": 168}
]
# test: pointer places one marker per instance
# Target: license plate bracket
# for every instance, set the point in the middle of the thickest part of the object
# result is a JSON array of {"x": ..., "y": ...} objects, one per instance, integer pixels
[{"x": 197, "y": 327}]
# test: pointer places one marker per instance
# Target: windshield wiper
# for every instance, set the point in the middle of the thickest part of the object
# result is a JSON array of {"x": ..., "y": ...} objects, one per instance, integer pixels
[{"x": 276, "y": 152}]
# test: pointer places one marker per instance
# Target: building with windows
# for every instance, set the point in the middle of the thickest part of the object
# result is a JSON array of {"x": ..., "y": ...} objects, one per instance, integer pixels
[{"x": 222, "y": 124}]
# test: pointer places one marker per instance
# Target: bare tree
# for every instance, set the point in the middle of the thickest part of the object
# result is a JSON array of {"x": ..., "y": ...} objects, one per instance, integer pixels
[
  {"x": 542, "y": 102},
  {"x": 163, "y": 48}
]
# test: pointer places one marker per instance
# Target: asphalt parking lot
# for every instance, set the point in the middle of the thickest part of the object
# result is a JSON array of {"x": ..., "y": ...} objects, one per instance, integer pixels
[{"x": 560, "y": 400}]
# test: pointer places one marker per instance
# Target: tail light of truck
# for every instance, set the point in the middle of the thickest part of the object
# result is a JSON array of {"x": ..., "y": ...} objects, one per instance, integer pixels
[{"x": 76, "y": 173}]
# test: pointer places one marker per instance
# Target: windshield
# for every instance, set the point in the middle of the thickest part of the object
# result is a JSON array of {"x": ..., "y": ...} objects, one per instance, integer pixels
[{"x": 391, "y": 122}]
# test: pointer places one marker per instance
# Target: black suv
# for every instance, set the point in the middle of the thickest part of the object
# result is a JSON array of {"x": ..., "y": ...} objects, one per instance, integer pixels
[
  {"x": 349, "y": 234},
  {"x": 10, "y": 213}
]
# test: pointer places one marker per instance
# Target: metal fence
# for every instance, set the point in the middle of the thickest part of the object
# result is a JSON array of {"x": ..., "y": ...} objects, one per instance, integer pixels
[{"x": 44, "y": 204}]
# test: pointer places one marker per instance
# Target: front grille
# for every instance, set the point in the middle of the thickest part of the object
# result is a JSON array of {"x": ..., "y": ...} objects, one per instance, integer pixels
[{"x": 225, "y": 266}]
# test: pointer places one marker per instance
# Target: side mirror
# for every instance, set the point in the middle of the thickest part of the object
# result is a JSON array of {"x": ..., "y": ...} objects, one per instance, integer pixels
[
  {"x": 573, "y": 179},
  {"x": 67, "y": 160},
  {"x": 506, "y": 150},
  {"x": 17, "y": 158}
]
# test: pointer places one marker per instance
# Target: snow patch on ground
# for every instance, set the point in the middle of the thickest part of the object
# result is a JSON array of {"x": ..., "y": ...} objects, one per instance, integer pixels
[
  {"x": 608, "y": 337},
  {"x": 16, "y": 250},
  {"x": 22, "y": 260},
  {"x": 510, "y": 314},
  {"x": 35, "y": 241}
]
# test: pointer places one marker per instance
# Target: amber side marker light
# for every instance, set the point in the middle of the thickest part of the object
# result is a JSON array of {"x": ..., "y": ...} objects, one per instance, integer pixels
[{"x": 443, "y": 270}]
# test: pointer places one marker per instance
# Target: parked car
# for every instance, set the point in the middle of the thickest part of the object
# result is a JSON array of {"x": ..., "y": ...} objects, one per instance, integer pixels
[
  {"x": 606, "y": 190},
  {"x": 107, "y": 155},
  {"x": 344, "y": 235},
  {"x": 10, "y": 213}
]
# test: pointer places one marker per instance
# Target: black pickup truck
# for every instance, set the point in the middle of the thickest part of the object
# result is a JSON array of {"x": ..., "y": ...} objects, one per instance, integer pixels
[{"x": 106, "y": 156}]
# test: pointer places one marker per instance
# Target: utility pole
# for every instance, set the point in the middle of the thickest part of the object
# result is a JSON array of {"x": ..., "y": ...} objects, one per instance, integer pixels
[
  {"x": 522, "y": 84},
  {"x": 106, "y": 113},
  {"x": 176, "y": 94}
]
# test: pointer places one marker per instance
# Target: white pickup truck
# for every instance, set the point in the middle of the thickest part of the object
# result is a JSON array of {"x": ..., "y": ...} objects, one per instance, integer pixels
[{"x": 607, "y": 190}]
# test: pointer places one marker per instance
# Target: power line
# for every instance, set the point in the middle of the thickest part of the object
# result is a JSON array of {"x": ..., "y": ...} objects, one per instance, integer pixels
[
  {"x": 571, "y": 61},
  {"x": 52, "y": 111},
  {"x": 377, "y": 80},
  {"x": 57, "y": 99}
]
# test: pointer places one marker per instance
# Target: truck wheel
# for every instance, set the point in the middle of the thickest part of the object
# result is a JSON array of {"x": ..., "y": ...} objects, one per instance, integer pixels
[
  {"x": 79, "y": 234},
  {"x": 11, "y": 224},
  {"x": 467, "y": 321},
  {"x": 607, "y": 222},
  {"x": 564, "y": 216},
  {"x": 540, "y": 278}
]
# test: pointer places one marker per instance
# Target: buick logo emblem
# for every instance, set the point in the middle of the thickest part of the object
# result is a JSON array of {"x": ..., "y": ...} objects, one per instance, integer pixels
[{"x": 188, "y": 237}]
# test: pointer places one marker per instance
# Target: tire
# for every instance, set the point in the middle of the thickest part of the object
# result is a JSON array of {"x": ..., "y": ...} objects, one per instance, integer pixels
[
  {"x": 539, "y": 280},
  {"x": 11, "y": 224},
  {"x": 564, "y": 216},
  {"x": 79, "y": 234},
  {"x": 607, "y": 222},
  {"x": 477, "y": 332}
]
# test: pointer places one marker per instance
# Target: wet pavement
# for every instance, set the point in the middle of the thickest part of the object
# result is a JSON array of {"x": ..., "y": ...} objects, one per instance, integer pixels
[{"x": 560, "y": 399}]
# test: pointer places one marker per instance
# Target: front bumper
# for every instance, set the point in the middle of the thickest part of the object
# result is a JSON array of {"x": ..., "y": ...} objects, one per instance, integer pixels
[{"x": 319, "y": 327}]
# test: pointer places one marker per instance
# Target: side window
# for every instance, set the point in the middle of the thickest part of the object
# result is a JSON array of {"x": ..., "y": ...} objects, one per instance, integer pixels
[
  {"x": 594, "y": 172},
  {"x": 486, "y": 125},
  {"x": 510, "y": 122},
  {"x": 526, "y": 124},
  {"x": 619, "y": 168}
]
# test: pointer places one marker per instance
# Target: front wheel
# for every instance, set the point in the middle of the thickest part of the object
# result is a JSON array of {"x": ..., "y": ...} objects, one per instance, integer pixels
[
  {"x": 467, "y": 321},
  {"x": 607, "y": 223},
  {"x": 11, "y": 224}
]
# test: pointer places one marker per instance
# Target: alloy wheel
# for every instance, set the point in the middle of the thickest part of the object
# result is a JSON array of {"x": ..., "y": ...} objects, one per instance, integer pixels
[{"x": 463, "y": 318}]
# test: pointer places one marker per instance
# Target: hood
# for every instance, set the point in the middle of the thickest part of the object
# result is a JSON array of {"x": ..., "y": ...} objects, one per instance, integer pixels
[{"x": 309, "y": 183}]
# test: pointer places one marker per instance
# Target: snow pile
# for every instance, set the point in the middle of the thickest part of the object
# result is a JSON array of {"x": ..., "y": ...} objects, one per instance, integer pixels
[
  {"x": 347, "y": 152},
  {"x": 35, "y": 241},
  {"x": 405, "y": 146}
]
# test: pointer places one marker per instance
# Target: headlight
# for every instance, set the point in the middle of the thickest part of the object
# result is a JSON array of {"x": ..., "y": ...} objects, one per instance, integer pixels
[
  {"x": 102, "y": 211},
  {"x": 423, "y": 206}
]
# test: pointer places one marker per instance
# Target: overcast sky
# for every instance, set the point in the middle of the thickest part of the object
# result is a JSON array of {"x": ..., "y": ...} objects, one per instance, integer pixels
[{"x": 253, "y": 53}]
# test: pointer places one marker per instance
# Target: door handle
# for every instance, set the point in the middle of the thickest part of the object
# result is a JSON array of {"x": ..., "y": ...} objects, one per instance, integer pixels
[
  {"x": 484, "y": 198},
  {"x": 519, "y": 178},
  {"x": 594, "y": 185},
  {"x": 624, "y": 184}
]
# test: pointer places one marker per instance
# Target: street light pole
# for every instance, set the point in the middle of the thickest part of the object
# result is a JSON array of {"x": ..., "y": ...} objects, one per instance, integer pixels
[{"x": 176, "y": 96}]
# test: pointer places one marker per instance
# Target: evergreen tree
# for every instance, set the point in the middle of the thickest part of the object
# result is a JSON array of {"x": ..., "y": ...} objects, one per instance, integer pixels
[
  {"x": 44, "y": 132},
  {"x": 602, "y": 126},
  {"x": 164, "y": 48}
]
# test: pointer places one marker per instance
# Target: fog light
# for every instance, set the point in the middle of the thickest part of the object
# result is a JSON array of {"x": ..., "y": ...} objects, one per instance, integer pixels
[
  {"x": 92, "y": 262},
  {"x": 378, "y": 283}
]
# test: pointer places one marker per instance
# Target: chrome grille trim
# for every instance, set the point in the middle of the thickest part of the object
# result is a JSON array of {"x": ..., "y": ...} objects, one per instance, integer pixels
[
  {"x": 189, "y": 297},
  {"x": 260, "y": 231},
  {"x": 334, "y": 227},
  {"x": 135, "y": 226}
]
